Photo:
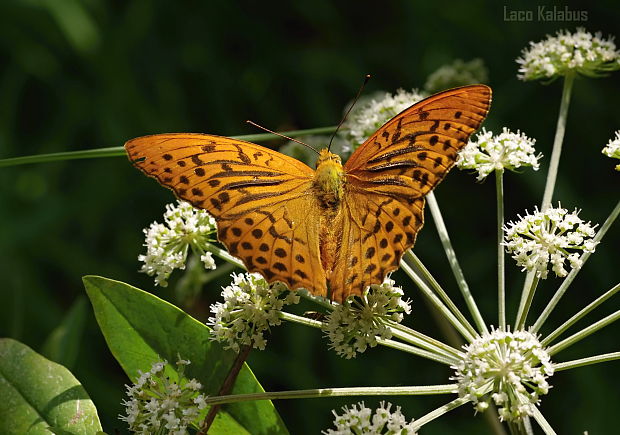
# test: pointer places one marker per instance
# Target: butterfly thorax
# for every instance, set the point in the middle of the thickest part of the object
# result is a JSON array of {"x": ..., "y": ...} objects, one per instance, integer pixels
[{"x": 329, "y": 180}]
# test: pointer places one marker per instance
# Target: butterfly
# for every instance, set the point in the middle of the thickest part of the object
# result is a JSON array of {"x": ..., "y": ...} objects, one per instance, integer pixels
[{"x": 334, "y": 230}]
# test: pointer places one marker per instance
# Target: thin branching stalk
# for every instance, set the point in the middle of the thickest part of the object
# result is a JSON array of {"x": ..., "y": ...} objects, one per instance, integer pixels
[
  {"x": 424, "y": 390},
  {"x": 426, "y": 291},
  {"x": 501, "y": 286},
  {"x": 586, "y": 361},
  {"x": 573, "y": 273},
  {"x": 418, "y": 423},
  {"x": 414, "y": 262},
  {"x": 411, "y": 339},
  {"x": 526, "y": 303},
  {"x": 430, "y": 340},
  {"x": 584, "y": 333},
  {"x": 441, "y": 357},
  {"x": 454, "y": 263},
  {"x": 120, "y": 151},
  {"x": 554, "y": 164},
  {"x": 578, "y": 316},
  {"x": 542, "y": 422},
  {"x": 224, "y": 255}
]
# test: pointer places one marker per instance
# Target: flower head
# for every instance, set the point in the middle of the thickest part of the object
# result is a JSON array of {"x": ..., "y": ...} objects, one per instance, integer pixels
[
  {"x": 507, "y": 150},
  {"x": 367, "y": 118},
  {"x": 457, "y": 73},
  {"x": 613, "y": 148},
  {"x": 510, "y": 368},
  {"x": 581, "y": 52},
  {"x": 550, "y": 236},
  {"x": 360, "y": 420},
  {"x": 167, "y": 244},
  {"x": 250, "y": 308},
  {"x": 356, "y": 324},
  {"x": 157, "y": 404}
]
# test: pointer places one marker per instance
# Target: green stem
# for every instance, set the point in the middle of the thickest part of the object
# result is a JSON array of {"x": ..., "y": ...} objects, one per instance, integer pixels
[
  {"x": 120, "y": 151},
  {"x": 406, "y": 333},
  {"x": 335, "y": 392},
  {"x": 584, "y": 333},
  {"x": 224, "y": 255},
  {"x": 414, "y": 262},
  {"x": 573, "y": 273},
  {"x": 454, "y": 263},
  {"x": 418, "y": 423},
  {"x": 557, "y": 141},
  {"x": 542, "y": 422},
  {"x": 426, "y": 290},
  {"x": 587, "y": 361},
  {"x": 501, "y": 287},
  {"x": 578, "y": 316},
  {"x": 526, "y": 303}
]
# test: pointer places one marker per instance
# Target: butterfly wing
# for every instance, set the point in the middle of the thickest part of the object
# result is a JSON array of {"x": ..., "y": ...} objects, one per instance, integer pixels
[
  {"x": 261, "y": 199},
  {"x": 388, "y": 176}
]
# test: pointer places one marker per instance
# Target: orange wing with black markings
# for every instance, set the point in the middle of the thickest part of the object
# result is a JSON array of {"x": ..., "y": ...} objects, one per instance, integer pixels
[
  {"x": 261, "y": 200},
  {"x": 388, "y": 176}
]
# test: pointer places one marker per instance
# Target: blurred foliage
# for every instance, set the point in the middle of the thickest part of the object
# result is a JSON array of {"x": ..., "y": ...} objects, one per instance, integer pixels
[{"x": 82, "y": 74}]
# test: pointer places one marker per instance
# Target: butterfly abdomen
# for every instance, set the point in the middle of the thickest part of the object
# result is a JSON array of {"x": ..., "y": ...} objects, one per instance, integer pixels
[{"x": 329, "y": 180}]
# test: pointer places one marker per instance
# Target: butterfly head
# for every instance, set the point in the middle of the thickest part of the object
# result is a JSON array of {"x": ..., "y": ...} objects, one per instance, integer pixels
[{"x": 329, "y": 179}]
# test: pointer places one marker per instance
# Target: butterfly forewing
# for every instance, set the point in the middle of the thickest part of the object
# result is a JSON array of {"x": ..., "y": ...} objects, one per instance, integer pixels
[
  {"x": 388, "y": 176},
  {"x": 261, "y": 200}
]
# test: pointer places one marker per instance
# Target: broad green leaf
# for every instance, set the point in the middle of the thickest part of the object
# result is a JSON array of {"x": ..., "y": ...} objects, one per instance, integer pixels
[
  {"x": 141, "y": 329},
  {"x": 38, "y": 394},
  {"x": 63, "y": 343}
]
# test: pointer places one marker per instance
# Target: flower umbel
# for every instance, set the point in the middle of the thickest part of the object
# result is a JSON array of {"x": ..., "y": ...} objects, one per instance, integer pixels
[
  {"x": 249, "y": 309},
  {"x": 507, "y": 150},
  {"x": 366, "y": 119},
  {"x": 552, "y": 236},
  {"x": 613, "y": 148},
  {"x": 167, "y": 244},
  {"x": 359, "y": 420},
  {"x": 157, "y": 404},
  {"x": 513, "y": 364},
  {"x": 581, "y": 52},
  {"x": 457, "y": 73},
  {"x": 356, "y": 324}
]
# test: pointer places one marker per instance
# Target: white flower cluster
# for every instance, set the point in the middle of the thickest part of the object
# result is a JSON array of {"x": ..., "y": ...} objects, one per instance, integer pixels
[
  {"x": 360, "y": 420},
  {"x": 457, "y": 73},
  {"x": 249, "y": 309},
  {"x": 489, "y": 153},
  {"x": 158, "y": 405},
  {"x": 549, "y": 236},
  {"x": 514, "y": 364},
  {"x": 582, "y": 52},
  {"x": 356, "y": 324},
  {"x": 366, "y": 119},
  {"x": 167, "y": 244},
  {"x": 613, "y": 148}
]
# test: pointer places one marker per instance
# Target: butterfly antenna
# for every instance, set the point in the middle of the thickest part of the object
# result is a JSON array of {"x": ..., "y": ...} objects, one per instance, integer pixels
[
  {"x": 344, "y": 118},
  {"x": 281, "y": 135}
]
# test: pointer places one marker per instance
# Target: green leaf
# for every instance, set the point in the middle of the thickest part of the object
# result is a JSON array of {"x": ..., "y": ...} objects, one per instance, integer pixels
[
  {"x": 141, "y": 329},
  {"x": 63, "y": 343},
  {"x": 38, "y": 394}
]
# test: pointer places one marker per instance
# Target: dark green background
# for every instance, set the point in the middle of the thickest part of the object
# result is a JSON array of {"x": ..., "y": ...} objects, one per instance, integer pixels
[{"x": 79, "y": 75}]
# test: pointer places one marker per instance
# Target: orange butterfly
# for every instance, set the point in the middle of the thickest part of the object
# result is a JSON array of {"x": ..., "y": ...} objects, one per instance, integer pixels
[{"x": 343, "y": 226}]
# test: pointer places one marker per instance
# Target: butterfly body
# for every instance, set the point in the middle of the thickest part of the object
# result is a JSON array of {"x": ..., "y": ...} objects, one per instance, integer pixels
[
  {"x": 329, "y": 179},
  {"x": 334, "y": 230}
]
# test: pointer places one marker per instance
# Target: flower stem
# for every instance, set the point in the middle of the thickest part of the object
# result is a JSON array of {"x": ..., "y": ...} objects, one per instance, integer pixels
[
  {"x": 418, "y": 423},
  {"x": 335, "y": 392},
  {"x": 426, "y": 290},
  {"x": 120, "y": 151},
  {"x": 542, "y": 422},
  {"x": 454, "y": 264},
  {"x": 569, "y": 78},
  {"x": 526, "y": 303},
  {"x": 501, "y": 287},
  {"x": 578, "y": 316},
  {"x": 415, "y": 337},
  {"x": 224, "y": 255},
  {"x": 573, "y": 273},
  {"x": 414, "y": 262},
  {"x": 587, "y": 361},
  {"x": 584, "y": 333}
]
